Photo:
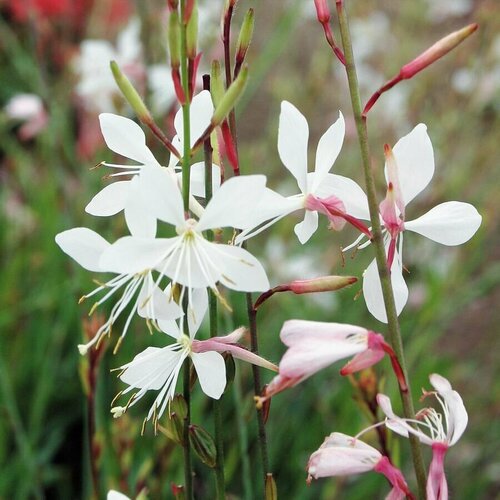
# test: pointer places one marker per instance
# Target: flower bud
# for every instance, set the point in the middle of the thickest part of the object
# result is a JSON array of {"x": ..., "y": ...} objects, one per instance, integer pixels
[
  {"x": 174, "y": 428},
  {"x": 245, "y": 37},
  {"x": 203, "y": 444},
  {"x": 216, "y": 83},
  {"x": 130, "y": 93},
  {"x": 321, "y": 284},
  {"x": 231, "y": 97},
  {"x": 178, "y": 491},
  {"x": 322, "y": 11},
  {"x": 179, "y": 406},
  {"x": 192, "y": 34},
  {"x": 174, "y": 36},
  {"x": 230, "y": 368},
  {"x": 173, "y": 4},
  {"x": 271, "y": 491},
  {"x": 438, "y": 50}
]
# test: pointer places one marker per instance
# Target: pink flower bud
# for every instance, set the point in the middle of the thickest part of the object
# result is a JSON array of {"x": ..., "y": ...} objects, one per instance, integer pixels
[
  {"x": 438, "y": 50},
  {"x": 322, "y": 11},
  {"x": 321, "y": 284}
]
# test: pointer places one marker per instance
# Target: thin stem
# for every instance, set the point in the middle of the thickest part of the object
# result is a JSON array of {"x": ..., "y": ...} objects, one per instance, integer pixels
[
  {"x": 212, "y": 310},
  {"x": 254, "y": 346},
  {"x": 186, "y": 170},
  {"x": 252, "y": 314},
  {"x": 377, "y": 241}
]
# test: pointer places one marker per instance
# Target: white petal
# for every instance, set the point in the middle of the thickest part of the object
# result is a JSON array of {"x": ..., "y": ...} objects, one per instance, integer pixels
[
  {"x": 297, "y": 331},
  {"x": 125, "y": 137},
  {"x": 234, "y": 203},
  {"x": 197, "y": 309},
  {"x": 83, "y": 245},
  {"x": 162, "y": 194},
  {"x": 451, "y": 223},
  {"x": 211, "y": 371},
  {"x": 141, "y": 222},
  {"x": 237, "y": 268},
  {"x": 116, "y": 495},
  {"x": 329, "y": 147},
  {"x": 156, "y": 303},
  {"x": 109, "y": 200},
  {"x": 150, "y": 368},
  {"x": 201, "y": 111},
  {"x": 293, "y": 136},
  {"x": 351, "y": 194},
  {"x": 305, "y": 229},
  {"x": 170, "y": 327},
  {"x": 372, "y": 290},
  {"x": 132, "y": 255},
  {"x": 457, "y": 414},
  {"x": 197, "y": 179},
  {"x": 415, "y": 161}
]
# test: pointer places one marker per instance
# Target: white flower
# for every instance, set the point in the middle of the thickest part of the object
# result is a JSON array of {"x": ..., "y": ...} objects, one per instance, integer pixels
[
  {"x": 408, "y": 170},
  {"x": 162, "y": 88},
  {"x": 139, "y": 288},
  {"x": 29, "y": 109},
  {"x": 438, "y": 430},
  {"x": 96, "y": 84},
  {"x": 189, "y": 259},
  {"x": 320, "y": 191},
  {"x": 125, "y": 137},
  {"x": 158, "y": 368}
]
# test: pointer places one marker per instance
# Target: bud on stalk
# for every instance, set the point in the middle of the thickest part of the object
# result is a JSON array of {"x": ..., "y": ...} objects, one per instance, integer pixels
[
  {"x": 313, "y": 285},
  {"x": 203, "y": 444},
  {"x": 271, "y": 491},
  {"x": 431, "y": 55},
  {"x": 216, "y": 83},
  {"x": 192, "y": 34},
  {"x": 244, "y": 39},
  {"x": 130, "y": 94}
]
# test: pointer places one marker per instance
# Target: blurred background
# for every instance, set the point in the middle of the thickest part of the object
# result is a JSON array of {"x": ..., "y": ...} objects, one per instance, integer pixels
[{"x": 55, "y": 81}]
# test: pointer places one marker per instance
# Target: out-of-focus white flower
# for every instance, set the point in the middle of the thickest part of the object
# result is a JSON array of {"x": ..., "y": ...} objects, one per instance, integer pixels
[
  {"x": 161, "y": 87},
  {"x": 96, "y": 85},
  {"x": 438, "y": 12},
  {"x": 29, "y": 109}
]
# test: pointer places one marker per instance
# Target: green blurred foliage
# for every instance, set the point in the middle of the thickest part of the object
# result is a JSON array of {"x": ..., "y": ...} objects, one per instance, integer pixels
[{"x": 450, "y": 325}]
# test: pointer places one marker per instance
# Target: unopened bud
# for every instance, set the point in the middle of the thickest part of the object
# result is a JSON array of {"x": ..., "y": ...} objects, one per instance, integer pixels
[
  {"x": 271, "y": 491},
  {"x": 178, "y": 491},
  {"x": 245, "y": 37},
  {"x": 173, "y": 4},
  {"x": 174, "y": 36},
  {"x": 216, "y": 83},
  {"x": 179, "y": 406},
  {"x": 130, "y": 93},
  {"x": 321, "y": 284},
  {"x": 438, "y": 50},
  {"x": 188, "y": 11},
  {"x": 230, "y": 98},
  {"x": 192, "y": 33},
  {"x": 203, "y": 444},
  {"x": 230, "y": 367},
  {"x": 322, "y": 11},
  {"x": 174, "y": 428}
]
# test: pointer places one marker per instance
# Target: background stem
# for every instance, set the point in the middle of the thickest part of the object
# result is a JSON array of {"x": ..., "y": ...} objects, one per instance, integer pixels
[{"x": 377, "y": 241}]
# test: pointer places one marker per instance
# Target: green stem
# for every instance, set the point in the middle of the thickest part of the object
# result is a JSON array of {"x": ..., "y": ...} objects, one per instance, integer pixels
[
  {"x": 377, "y": 241},
  {"x": 186, "y": 119},
  {"x": 254, "y": 345},
  {"x": 212, "y": 310},
  {"x": 186, "y": 170}
]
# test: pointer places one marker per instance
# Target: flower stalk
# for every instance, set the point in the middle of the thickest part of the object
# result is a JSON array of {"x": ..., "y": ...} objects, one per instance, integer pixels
[
  {"x": 212, "y": 311},
  {"x": 377, "y": 241},
  {"x": 186, "y": 170}
]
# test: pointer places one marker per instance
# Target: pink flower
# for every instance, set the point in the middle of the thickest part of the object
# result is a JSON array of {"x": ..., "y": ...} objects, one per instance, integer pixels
[
  {"x": 439, "y": 431},
  {"x": 342, "y": 455},
  {"x": 314, "y": 345},
  {"x": 29, "y": 109}
]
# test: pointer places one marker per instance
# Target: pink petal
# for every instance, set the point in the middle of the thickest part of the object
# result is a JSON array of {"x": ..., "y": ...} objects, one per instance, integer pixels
[{"x": 437, "y": 487}]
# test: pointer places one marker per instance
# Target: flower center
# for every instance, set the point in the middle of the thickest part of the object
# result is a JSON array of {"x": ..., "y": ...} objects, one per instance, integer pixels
[{"x": 188, "y": 229}]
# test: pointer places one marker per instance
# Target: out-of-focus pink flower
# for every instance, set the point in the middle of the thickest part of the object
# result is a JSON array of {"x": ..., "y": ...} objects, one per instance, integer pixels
[
  {"x": 29, "y": 109},
  {"x": 439, "y": 431},
  {"x": 342, "y": 455},
  {"x": 314, "y": 345}
]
